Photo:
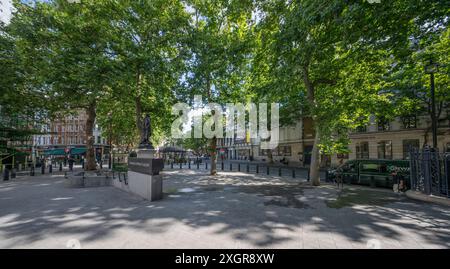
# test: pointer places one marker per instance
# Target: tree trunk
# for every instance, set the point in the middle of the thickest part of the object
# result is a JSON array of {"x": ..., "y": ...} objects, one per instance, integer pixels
[
  {"x": 213, "y": 148},
  {"x": 139, "y": 116},
  {"x": 314, "y": 170},
  {"x": 90, "y": 151},
  {"x": 315, "y": 157},
  {"x": 138, "y": 105}
]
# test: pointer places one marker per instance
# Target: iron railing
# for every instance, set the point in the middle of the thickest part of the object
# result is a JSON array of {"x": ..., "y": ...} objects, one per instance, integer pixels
[{"x": 430, "y": 171}]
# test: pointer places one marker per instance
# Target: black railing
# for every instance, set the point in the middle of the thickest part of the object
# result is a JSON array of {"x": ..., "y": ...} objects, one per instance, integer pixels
[
  {"x": 246, "y": 167},
  {"x": 430, "y": 172}
]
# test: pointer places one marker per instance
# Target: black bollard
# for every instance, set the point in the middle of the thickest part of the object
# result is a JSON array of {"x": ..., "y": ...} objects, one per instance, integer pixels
[
  {"x": 257, "y": 169},
  {"x": 293, "y": 173},
  {"x": 6, "y": 174},
  {"x": 181, "y": 165},
  {"x": 198, "y": 165},
  {"x": 239, "y": 167},
  {"x": 308, "y": 178},
  {"x": 206, "y": 165},
  {"x": 42, "y": 169},
  {"x": 171, "y": 165},
  {"x": 189, "y": 164},
  {"x": 60, "y": 166},
  {"x": 50, "y": 168},
  {"x": 279, "y": 171},
  {"x": 267, "y": 170},
  {"x": 231, "y": 167},
  {"x": 248, "y": 168},
  {"x": 222, "y": 166},
  {"x": 32, "y": 171}
]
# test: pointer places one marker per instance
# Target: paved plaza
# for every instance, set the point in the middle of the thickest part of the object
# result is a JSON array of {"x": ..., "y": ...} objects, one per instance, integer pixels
[{"x": 231, "y": 210}]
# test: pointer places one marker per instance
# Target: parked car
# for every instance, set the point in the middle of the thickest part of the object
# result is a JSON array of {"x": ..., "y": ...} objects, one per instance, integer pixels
[{"x": 375, "y": 172}]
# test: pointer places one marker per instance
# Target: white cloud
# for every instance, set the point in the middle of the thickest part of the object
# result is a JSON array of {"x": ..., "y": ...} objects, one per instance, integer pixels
[{"x": 5, "y": 10}]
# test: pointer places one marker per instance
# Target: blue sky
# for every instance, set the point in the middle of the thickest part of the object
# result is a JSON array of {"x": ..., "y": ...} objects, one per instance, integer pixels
[{"x": 5, "y": 10}]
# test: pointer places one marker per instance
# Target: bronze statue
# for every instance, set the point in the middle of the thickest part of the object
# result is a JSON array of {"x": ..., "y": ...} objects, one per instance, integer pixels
[{"x": 146, "y": 132}]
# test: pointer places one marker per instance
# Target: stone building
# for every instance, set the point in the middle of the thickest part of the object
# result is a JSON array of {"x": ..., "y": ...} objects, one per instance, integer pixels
[
  {"x": 68, "y": 135},
  {"x": 379, "y": 140}
]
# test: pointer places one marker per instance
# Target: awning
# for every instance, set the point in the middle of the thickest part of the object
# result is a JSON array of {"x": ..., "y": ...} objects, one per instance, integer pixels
[
  {"x": 54, "y": 152},
  {"x": 78, "y": 151}
]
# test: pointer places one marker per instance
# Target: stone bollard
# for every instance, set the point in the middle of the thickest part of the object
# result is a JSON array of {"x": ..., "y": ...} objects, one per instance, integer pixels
[{"x": 6, "y": 174}]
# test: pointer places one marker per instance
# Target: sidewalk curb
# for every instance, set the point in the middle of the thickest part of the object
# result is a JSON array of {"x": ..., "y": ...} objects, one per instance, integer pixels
[{"x": 428, "y": 198}]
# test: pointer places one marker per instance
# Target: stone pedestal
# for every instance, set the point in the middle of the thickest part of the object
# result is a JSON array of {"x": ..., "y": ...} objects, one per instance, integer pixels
[{"x": 143, "y": 176}]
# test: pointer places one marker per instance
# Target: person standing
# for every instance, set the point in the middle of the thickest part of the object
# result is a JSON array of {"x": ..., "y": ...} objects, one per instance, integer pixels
[{"x": 71, "y": 161}]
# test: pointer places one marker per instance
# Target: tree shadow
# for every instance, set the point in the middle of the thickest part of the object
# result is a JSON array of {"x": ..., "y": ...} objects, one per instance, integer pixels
[{"x": 227, "y": 210}]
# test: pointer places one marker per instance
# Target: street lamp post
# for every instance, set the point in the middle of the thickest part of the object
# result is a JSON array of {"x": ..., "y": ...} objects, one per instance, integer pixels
[
  {"x": 109, "y": 140},
  {"x": 432, "y": 68}
]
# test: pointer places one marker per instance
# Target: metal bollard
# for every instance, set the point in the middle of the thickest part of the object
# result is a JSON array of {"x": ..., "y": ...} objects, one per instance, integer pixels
[
  {"x": 189, "y": 164},
  {"x": 267, "y": 170},
  {"x": 206, "y": 165},
  {"x": 248, "y": 168},
  {"x": 279, "y": 171},
  {"x": 222, "y": 166},
  {"x": 308, "y": 178},
  {"x": 171, "y": 165},
  {"x": 50, "y": 168},
  {"x": 293, "y": 173},
  {"x": 42, "y": 169},
  {"x": 6, "y": 174},
  {"x": 32, "y": 171},
  {"x": 198, "y": 165},
  {"x": 257, "y": 169},
  {"x": 231, "y": 167},
  {"x": 60, "y": 166},
  {"x": 181, "y": 165},
  {"x": 239, "y": 167}
]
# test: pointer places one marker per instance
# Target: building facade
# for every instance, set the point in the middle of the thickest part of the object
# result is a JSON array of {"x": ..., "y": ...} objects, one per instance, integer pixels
[
  {"x": 379, "y": 140},
  {"x": 67, "y": 135}
]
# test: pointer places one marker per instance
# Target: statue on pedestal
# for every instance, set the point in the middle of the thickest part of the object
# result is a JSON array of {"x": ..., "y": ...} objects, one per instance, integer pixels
[{"x": 146, "y": 133}]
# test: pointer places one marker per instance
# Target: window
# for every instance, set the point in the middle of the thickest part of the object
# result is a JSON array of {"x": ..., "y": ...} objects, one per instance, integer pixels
[
  {"x": 383, "y": 124},
  {"x": 409, "y": 122},
  {"x": 385, "y": 150},
  {"x": 362, "y": 150},
  {"x": 408, "y": 144},
  {"x": 308, "y": 128},
  {"x": 361, "y": 129},
  {"x": 263, "y": 152},
  {"x": 284, "y": 151}
]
